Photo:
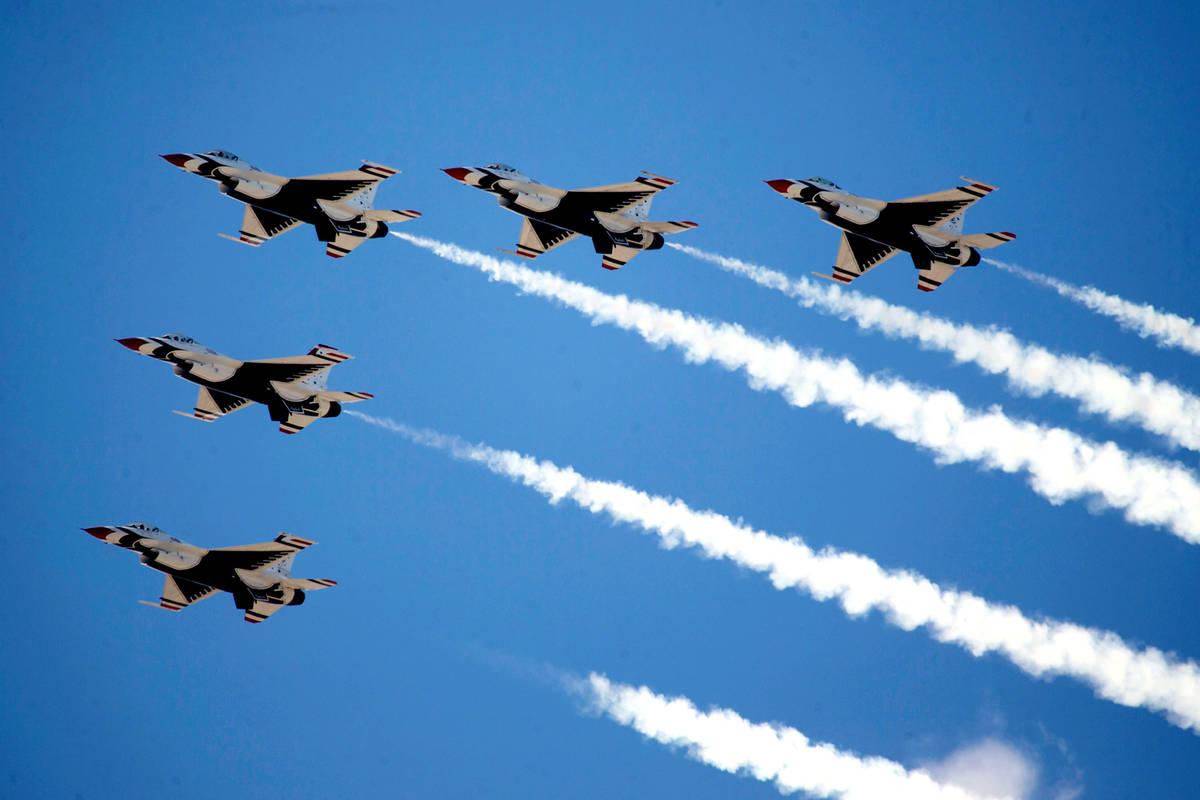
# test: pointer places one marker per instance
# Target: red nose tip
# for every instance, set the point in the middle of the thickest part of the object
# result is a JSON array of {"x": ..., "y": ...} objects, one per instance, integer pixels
[
  {"x": 99, "y": 533},
  {"x": 779, "y": 184},
  {"x": 458, "y": 173},
  {"x": 133, "y": 342},
  {"x": 178, "y": 159}
]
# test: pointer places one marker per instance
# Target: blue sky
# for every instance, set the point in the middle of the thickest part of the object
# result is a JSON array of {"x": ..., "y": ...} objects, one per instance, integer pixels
[{"x": 388, "y": 684}]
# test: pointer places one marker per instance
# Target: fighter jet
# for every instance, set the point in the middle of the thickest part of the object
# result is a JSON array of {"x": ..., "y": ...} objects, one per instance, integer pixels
[
  {"x": 259, "y": 576},
  {"x": 613, "y": 217},
  {"x": 340, "y": 205},
  {"x": 928, "y": 227},
  {"x": 292, "y": 389}
]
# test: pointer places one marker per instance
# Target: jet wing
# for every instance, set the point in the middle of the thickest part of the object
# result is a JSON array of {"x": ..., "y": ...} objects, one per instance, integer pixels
[
  {"x": 538, "y": 237},
  {"x": 257, "y": 556},
  {"x": 294, "y": 368},
  {"x": 340, "y": 185},
  {"x": 212, "y": 404},
  {"x": 258, "y": 225},
  {"x": 619, "y": 197},
  {"x": 179, "y": 593},
  {"x": 856, "y": 256},
  {"x": 935, "y": 276},
  {"x": 934, "y": 209}
]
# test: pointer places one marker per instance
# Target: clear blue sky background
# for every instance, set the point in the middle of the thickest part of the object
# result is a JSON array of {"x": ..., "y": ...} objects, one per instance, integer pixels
[{"x": 1083, "y": 114}]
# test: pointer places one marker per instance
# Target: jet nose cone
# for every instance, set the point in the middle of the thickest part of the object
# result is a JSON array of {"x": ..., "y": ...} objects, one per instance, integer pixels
[
  {"x": 178, "y": 159},
  {"x": 458, "y": 173},
  {"x": 133, "y": 342},
  {"x": 780, "y": 185},
  {"x": 101, "y": 532}
]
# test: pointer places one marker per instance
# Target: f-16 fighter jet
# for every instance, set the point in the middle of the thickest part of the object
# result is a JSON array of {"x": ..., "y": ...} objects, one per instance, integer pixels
[
  {"x": 292, "y": 389},
  {"x": 928, "y": 227},
  {"x": 259, "y": 576},
  {"x": 613, "y": 217},
  {"x": 340, "y": 205}
]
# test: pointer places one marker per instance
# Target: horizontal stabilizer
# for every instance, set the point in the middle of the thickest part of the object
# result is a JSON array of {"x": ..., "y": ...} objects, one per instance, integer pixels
[
  {"x": 619, "y": 257},
  {"x": 307, "y": 584},
  {"x": 346, "y": 397},
  {"x": 671, "y": 226},
  {"x": 833, "y": 277},
  {"x": 296, "y": 423},
  {"x": 983, "y": 241},
  {"x": 390, "y": 215},
  {"x": 928, "y": 280}
]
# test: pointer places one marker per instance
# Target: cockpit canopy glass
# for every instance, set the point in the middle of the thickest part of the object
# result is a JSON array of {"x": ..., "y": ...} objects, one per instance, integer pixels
[
  {"x": 223, "y": 154},
  {"x": 152, "y": 531},
  {"x": 502, "y": 167},
  {"x": 822, "y": 182},
  {"x": 179, "y": 338}
]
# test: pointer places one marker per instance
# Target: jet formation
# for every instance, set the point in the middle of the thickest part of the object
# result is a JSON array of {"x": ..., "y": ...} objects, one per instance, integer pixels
[
  {"x": 259, "y": 576},
  {"x": 292, "y": 389},
  {"x": 615, "y": 217},
  {"x": 340, "y": 205},
  {"x": 928, "y": 227}
]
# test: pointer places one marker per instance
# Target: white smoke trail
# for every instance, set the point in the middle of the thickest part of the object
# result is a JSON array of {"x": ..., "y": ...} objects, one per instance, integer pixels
[
  {"x": 768, "y": 752},
  {"x": 1171, "y": 330},
  {"x": 1146, "y": 678},
  {"x": 1157, "y": 406},
  {"x": 1061, "y": 464}
]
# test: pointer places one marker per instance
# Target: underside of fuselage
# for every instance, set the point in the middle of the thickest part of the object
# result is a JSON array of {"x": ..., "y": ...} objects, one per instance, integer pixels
[
  {"x": 579, "y": 219},
  {"x": 889, "y": 231},
  {"x": 214, "y": 574},
  {"x": 259, "y": 390}
]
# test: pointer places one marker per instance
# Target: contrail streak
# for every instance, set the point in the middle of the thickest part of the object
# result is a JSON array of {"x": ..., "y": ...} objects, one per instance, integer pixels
[
  {"x": 1171, "y": 330},
  {"x": 1157, "y": 406},
  {"x": 1147, "y": 678},
  {"x": 1061, "y": 464},
  {"x": 783, "y": 756}
]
